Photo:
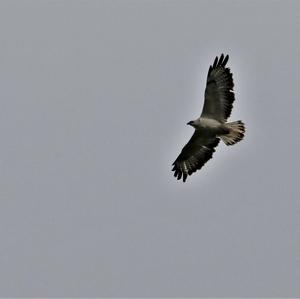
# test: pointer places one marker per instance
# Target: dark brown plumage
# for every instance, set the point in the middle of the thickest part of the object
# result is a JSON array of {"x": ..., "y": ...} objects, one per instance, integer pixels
[{"x": 211, "y": 125}]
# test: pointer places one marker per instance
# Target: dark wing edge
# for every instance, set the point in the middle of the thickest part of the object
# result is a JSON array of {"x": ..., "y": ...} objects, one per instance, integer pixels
[
  {"x": 187, "y": 163},
  {"x": 218, "y": 63},
  {"x": 221, "y": 77}
]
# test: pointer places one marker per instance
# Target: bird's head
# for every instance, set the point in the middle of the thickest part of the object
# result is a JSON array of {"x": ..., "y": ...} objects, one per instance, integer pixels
[{"x": 191, "y": 123}]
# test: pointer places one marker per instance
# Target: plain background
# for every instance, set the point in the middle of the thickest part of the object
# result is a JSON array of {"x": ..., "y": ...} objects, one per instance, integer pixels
[{"x": 94, "y": 101}]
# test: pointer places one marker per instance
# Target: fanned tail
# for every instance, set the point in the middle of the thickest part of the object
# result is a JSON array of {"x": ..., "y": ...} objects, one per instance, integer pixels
[{"x": 236, "y": 132}]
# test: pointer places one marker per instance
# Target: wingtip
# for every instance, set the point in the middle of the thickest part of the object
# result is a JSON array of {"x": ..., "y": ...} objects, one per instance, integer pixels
[
  {"x": 179, "y": 174},
  {"x": 221, "y": 59},
  {"x": 215, "y": 62},
  {"x": 225, "y": 60}
]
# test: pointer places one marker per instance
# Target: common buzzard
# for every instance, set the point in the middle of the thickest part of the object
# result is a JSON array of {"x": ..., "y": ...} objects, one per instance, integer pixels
[{"x": 211, "y": 125}]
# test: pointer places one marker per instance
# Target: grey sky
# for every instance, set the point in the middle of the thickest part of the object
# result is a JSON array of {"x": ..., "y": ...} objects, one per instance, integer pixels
[{"x": 95, "y": 96}]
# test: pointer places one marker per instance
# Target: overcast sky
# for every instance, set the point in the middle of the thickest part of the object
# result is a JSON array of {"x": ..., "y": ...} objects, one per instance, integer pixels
[{"x": 94, "y": 101}]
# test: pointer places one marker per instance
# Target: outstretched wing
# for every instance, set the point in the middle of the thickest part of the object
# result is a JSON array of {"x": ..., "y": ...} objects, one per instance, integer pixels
[
  {"x": 219, "y": 94},
  {"x": 194, "y": 155}
]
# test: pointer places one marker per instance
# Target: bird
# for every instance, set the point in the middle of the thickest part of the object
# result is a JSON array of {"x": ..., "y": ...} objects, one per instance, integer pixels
[{"x": 212, "y": 125}]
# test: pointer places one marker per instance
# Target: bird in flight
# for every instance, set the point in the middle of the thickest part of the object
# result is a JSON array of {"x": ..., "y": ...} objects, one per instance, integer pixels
[{"x": 211, "y": 126}]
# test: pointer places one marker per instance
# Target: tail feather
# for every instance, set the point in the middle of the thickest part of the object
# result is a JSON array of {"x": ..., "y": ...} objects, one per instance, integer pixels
[{"x": 236, "y": 132}]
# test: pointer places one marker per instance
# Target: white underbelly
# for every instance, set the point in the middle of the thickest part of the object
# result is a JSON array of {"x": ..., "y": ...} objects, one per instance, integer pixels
[{"x": 209, "y": 123}]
